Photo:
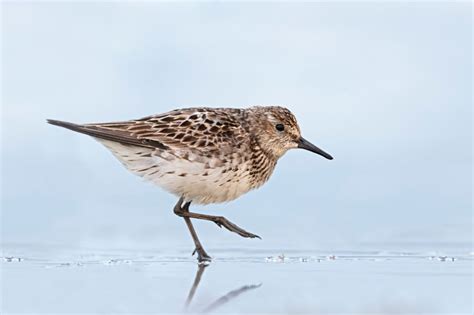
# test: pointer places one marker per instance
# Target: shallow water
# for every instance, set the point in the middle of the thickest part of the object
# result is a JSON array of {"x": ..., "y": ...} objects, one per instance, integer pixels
[{"x": 63, "y": 280}]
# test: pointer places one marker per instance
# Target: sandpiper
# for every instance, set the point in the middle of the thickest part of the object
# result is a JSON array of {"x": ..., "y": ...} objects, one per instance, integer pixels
[{"x": 203, "y": 155}]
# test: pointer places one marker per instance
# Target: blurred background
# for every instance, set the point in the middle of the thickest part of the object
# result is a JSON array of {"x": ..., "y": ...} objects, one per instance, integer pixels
[{"x": 384, "y": 87}]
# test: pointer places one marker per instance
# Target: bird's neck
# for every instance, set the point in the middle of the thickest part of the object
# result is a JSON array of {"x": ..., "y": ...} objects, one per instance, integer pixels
[{"x": 262, "y": 165}]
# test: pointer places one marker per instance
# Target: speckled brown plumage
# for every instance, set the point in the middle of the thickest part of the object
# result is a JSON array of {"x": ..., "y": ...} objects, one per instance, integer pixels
[{"x": 203, "y": 155}]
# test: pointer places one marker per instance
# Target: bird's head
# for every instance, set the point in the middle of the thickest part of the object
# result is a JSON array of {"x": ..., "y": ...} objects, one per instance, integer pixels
[{"x": 277, "y": 131}]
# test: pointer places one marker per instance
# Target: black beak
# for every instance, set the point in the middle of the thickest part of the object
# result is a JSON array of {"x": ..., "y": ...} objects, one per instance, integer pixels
[{"x": 304, "y": 144}]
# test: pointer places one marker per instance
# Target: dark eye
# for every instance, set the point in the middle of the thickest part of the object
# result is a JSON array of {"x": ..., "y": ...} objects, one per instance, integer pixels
[{"x": 280, "y": 127}]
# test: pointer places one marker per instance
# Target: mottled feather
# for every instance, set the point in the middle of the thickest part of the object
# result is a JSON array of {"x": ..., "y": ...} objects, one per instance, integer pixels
[{"x": 205, "y": 155}]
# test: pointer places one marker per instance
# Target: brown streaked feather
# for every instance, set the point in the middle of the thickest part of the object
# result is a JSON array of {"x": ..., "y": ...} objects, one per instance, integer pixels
[
  {"x": 206, "y": 155},
  {"x": 192, "y": 129},
  {"x": 201, "y": 130},
  {"x": 117, "y": 136}
]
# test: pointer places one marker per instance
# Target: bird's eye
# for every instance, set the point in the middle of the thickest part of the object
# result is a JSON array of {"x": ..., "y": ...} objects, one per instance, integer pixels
[{"x": 280, "y": 127}]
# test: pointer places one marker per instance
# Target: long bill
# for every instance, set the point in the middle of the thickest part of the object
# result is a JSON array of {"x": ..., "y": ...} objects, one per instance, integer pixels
[{"x": 305, "y": 144}]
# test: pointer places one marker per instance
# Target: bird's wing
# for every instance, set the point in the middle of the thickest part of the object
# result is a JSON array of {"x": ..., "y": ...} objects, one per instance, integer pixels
[{"x": 201, "y": 130}]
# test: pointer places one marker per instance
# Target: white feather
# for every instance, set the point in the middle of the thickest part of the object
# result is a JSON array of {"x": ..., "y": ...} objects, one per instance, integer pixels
[{"x": 186, "y": 178}]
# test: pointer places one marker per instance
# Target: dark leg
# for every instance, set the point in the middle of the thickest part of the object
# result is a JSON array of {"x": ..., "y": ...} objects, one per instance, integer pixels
[
  {"x": 220, "y": 221},
  {"x": 181, "y": 210}
]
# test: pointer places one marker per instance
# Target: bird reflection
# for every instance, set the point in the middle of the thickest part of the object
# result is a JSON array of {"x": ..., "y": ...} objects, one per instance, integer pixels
[
  {"x": 197, "y": 280},
  {"x": 220, "y": 301}
]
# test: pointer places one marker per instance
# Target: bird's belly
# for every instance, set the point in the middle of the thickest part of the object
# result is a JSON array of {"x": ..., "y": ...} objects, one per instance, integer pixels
[
  {"x": 202, "y": 182},
  {"x": 209, "y": 186}
]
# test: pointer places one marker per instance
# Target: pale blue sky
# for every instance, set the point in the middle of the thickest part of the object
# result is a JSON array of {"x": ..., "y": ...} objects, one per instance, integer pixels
[{"x": 384, "y": 87}]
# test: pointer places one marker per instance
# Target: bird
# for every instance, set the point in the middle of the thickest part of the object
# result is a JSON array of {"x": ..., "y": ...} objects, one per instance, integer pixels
[{"x": 202, "y": 155}]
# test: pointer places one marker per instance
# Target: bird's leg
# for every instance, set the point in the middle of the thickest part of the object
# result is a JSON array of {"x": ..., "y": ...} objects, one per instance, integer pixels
[
  {"x": 220, "y": 221},
  {"x": 181, "y": 211}
]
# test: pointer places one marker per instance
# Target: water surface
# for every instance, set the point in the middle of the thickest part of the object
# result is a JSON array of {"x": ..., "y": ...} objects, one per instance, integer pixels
[{"x": 64, "y": 280}]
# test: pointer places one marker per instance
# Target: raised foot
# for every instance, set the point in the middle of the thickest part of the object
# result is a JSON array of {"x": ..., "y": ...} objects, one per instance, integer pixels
[
  {"x": 223, "y": 222},
  {"x": 203, "y": 257}
]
